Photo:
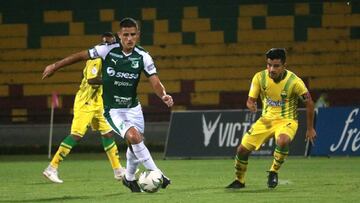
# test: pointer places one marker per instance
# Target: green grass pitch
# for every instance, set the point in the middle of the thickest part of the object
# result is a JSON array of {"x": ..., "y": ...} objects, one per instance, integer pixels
[{"x": 89, "y": 178}]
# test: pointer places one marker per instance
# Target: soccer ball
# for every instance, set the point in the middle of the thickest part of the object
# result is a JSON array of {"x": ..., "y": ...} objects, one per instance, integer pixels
[{"x": 150, "y": 181}]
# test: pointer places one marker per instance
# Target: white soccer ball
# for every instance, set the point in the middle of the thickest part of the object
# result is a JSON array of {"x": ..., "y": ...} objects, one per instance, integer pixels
[{"x": 150, "y": 181}]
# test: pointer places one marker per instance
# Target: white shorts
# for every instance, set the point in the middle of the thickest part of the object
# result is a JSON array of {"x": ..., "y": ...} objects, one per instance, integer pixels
[{"x": 120, "y": 120}]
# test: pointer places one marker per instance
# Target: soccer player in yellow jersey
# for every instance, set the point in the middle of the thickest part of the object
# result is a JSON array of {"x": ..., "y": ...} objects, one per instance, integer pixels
[
  {"x": 88, "y": 111},
  {"x": 279, "y": 90}
]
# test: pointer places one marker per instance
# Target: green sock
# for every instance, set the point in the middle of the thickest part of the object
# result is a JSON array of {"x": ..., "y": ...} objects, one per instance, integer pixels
[
  {"x": 240, "y": 168},
  {"x": 280, "y": 154}
]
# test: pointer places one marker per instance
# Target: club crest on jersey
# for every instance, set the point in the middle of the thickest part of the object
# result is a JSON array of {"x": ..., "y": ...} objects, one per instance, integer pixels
[
  {"x": 122, "y": 125},
  {"x": 134, "y": 64},
  {"x": 283, "y": 94}
]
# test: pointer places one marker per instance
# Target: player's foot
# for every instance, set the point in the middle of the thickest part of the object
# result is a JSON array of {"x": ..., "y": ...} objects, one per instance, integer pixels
[
  {"x": 166, "y": 181},
  {"x": 236, "y": 185},
  {"x": 119, "y": 173},
  {"x": 132, "y": 185},
  {"x": 272, "y": 179},
  {"x": 51, "y": 173}
]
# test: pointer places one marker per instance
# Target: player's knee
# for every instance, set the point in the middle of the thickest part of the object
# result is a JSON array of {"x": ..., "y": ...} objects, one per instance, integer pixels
[
  {"x": 108, "y": 135},
  {"x": 243, "y": 150},
  {"x": 283, "y": 140},
  {"x": 133, "y": 136},
  {"x": 76, "y": 137}
]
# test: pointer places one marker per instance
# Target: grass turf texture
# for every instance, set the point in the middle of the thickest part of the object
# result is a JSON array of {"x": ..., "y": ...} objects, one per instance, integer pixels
[{"x": 89, "y": 178}]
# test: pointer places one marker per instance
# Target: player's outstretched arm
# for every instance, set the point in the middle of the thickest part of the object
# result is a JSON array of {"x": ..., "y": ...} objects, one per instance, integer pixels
[
  {"x": 95, "y": 81},
  {"x": 52, "y": 68},
  {"x": 310, "y": 132},
  {"x": 160, "y": 91}
]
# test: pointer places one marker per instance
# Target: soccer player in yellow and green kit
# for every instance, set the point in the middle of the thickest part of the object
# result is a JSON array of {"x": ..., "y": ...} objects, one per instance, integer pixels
[
  {"x": 279, "y": 90},
  {"x": 88, "y": 111}
]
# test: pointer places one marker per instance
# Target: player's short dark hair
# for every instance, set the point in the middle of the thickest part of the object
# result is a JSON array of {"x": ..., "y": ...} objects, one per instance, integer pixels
[
  {"x": 108, "y": 34},
  {"x": 277, "y": 53},
  {"x": 128, "y": 22}
]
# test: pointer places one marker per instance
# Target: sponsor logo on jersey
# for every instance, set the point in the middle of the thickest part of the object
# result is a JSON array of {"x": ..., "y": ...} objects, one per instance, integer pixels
[
  {"x": 116, "y": 55},
  {"x": 134, "y": 59},
  {"x": 123, "y": 100},
  {"x": 93, "y": 53},
  {"x": 121, "y": 83},
  {"x": 112, "y": 73},
  {"x": 274, "y": 103},
  {"x": 150, "y": 67}
]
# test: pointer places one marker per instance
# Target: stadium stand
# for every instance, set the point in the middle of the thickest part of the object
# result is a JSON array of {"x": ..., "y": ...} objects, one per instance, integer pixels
[{"x": 206, "y": 51}]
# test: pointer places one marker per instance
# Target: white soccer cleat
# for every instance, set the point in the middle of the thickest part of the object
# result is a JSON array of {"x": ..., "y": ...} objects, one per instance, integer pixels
[{"x": 51, "y": 173}]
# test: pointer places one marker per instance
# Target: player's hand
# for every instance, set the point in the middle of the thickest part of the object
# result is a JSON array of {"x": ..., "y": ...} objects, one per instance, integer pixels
[
  {"x": 253, "y": 107},
  {"x": 168, "y": 100},
  {"x": 49, "y": 71},
  {"x": 311, "y": 135}
]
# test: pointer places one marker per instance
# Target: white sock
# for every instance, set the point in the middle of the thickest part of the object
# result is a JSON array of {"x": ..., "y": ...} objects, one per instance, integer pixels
[
  {"x": 143, "y": 155},
  {"x": 131, "y": 165}
]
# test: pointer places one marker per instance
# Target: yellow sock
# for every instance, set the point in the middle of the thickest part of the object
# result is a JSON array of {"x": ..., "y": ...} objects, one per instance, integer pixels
[
  {"x": 64, "y": 149},
  {"x": 111, "y": 152},
  {"x": 59, "y": 156},
  {"x": 240, "y": 169},
  {"x": 280, "y": 155}
]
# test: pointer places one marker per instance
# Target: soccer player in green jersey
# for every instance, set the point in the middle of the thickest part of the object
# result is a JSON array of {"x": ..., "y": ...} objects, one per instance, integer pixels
[
  {"x": 279, "y": 90},
  {"x": 123, "y": 62}
]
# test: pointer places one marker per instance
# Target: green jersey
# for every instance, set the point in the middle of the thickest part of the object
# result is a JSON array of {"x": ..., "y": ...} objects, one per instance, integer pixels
[{"x": 121, "y": 73}]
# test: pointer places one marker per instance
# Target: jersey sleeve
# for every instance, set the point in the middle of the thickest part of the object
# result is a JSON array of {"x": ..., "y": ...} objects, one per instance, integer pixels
[
  {"x": 255, "y": 87},
  {"x": 101, "y": 50},
  {"x": 149, "y": 66},
  {"x": 93, "y": 69},
  {"x": 299, "y": 87}
]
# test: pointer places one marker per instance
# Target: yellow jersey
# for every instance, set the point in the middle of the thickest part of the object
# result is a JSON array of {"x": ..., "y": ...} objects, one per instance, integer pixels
[
  {"x": 89, "y": 97},
  {"x": 279, "y": 100}
]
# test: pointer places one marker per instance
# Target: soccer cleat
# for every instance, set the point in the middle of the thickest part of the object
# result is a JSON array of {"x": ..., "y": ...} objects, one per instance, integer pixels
[
  {"x": 132, "y": 185},
  {"x": 236, "y": 185},
  {"x": 272, "y": 179},
  {"x": 166, "y": 181},
  {"x": 119, "y": 173},
  {"x": 51, "y": 173}
]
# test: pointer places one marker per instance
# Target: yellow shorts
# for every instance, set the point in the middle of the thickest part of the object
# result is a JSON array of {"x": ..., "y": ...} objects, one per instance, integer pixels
[
  {"x": 263, "y": 129},
  {"x": 83, "y": 119}
]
